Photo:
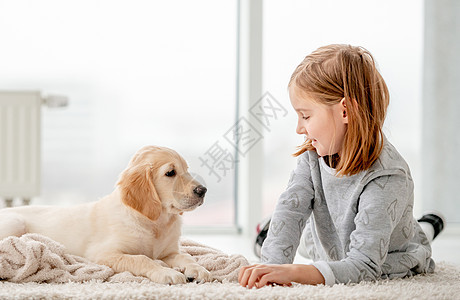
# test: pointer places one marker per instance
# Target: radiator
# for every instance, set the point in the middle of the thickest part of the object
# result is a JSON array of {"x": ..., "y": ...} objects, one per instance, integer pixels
[
  {"x": 20, "y": 163},
  {"x": 20, "y": 137}
]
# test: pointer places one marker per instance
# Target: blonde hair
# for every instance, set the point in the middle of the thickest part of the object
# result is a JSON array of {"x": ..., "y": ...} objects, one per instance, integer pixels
[{"x": 336, "y": 72}]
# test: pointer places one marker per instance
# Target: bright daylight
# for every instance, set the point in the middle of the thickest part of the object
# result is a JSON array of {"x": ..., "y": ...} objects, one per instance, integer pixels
[{"x": 230, "y": 149}]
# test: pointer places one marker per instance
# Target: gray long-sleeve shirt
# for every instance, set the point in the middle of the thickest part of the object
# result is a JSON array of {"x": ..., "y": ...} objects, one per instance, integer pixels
[{"x": 359, "y": 227}]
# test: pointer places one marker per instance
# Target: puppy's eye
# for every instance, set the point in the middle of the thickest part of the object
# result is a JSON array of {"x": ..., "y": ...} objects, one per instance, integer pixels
[{"x": 171, "y": 173}]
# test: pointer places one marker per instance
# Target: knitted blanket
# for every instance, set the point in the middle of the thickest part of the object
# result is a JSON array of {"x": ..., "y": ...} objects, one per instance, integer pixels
[{"x": 36, "y": 258}]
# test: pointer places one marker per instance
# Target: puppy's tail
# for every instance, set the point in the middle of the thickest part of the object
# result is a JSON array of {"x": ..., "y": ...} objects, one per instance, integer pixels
[{"x": 12, "y": 225}]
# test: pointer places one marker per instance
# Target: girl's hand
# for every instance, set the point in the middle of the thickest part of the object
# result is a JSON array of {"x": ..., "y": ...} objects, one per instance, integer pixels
[{"x": 261, "y": 275}]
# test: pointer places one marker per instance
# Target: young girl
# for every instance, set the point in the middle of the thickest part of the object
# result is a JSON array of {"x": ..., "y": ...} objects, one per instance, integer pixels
[{"x": 349, "y": 201}]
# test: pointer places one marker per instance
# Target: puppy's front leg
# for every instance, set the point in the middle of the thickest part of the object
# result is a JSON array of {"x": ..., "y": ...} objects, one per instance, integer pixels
[
  {"x": 141, "y": 265},
  {"x": 187, "y": 264}
]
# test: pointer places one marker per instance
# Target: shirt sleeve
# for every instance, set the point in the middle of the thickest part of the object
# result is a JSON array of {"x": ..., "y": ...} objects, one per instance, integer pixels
[
  {"x": 381, "y": 206},
  {"x": 288, "y": 220}
]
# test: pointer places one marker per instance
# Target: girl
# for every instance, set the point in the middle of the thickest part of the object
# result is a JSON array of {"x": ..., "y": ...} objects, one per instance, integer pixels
[{"x": 351, "y": 191}]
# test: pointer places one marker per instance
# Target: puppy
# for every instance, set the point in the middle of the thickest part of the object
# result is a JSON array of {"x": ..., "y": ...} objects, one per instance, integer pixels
[{"x": 138, "y": 223}]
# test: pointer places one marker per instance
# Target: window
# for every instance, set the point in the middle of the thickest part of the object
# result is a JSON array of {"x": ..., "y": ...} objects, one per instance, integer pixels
[{"x": 136, "y": 73}]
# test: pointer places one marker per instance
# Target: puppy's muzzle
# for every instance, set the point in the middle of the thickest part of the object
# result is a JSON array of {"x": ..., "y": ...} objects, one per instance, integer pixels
[{"x": 200, "y": 191}]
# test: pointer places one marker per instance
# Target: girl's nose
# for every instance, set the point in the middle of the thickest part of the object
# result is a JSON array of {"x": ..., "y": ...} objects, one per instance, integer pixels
[{"x": 300, "y": 129}]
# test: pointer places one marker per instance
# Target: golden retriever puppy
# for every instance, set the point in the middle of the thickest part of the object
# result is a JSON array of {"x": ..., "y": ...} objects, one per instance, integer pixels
[{"x": 138, "y": 223}]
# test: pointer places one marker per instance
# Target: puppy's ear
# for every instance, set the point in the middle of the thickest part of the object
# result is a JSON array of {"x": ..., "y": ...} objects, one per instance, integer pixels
[{"x": 138, "y": 191}]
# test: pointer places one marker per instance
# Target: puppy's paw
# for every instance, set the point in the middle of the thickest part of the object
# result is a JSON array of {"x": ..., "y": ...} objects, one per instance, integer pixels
[
  {"x": 195, "y": 272},
  {"x": 167, "y": 276}
]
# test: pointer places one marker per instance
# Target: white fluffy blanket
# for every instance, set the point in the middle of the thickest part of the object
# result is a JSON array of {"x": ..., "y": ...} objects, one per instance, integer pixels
[{"x": 36, "y": 258}]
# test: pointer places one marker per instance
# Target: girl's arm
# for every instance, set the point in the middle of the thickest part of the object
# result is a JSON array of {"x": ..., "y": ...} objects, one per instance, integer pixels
[
  {"x": 261, "y": 275},
  {"x": 293, "y": 209}
]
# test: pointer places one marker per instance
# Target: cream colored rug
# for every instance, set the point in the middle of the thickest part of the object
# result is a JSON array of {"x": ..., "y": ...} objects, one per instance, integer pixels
[
  {"x": 443, "y": 284},
  {"x": 35, "y": 267}
]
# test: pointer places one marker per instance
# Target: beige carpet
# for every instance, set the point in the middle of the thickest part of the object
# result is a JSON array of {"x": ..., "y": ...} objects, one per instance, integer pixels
[
  {"x": 443, "y": 284},
  {"x": 36, "y": 267}
]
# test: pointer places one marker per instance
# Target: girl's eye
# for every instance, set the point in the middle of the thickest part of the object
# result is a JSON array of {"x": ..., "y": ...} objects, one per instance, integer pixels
[
  {"x": 170, "y": 173},
  {"x": 305, "y": 118}
]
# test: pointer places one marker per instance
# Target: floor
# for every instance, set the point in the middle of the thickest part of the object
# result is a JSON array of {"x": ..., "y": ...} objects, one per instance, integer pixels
[{"x": 445, "y": 247}]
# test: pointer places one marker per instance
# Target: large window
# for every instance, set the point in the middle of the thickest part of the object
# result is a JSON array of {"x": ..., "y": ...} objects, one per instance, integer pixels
[
  {"x": 136, "y": 73},
  {"x": 391, "y": 30}
]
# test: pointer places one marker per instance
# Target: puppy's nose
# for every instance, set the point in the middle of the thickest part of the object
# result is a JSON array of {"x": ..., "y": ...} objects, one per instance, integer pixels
[{"x": 200, "y": 191}]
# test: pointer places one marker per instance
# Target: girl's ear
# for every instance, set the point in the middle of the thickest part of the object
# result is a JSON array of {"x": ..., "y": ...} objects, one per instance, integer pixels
[
  {"x": 138, "y": 191},
  {"x": 343, "y": 106}
]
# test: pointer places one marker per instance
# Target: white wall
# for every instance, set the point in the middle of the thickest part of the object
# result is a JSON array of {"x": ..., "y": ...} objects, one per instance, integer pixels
[{"x": 441, "y": 89}]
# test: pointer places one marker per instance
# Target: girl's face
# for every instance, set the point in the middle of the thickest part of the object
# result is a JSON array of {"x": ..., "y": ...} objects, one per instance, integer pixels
[{"x": 325, "y": 125}]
